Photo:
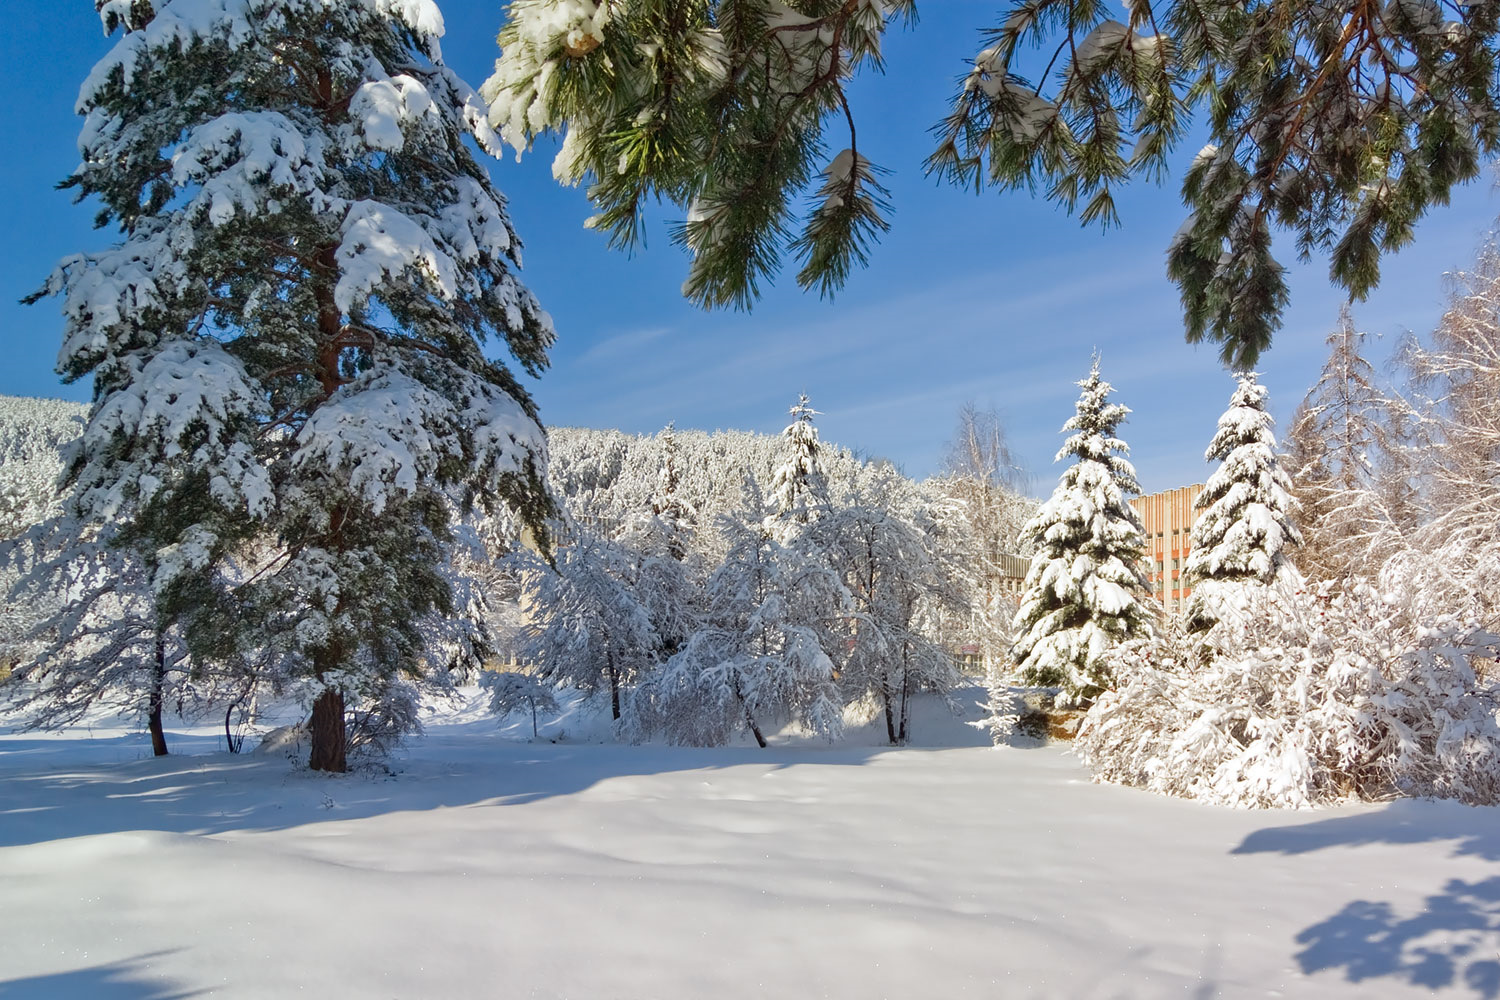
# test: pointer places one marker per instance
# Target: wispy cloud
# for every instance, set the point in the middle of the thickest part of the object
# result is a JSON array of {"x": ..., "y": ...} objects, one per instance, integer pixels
[{"x": 621, "y": 346}]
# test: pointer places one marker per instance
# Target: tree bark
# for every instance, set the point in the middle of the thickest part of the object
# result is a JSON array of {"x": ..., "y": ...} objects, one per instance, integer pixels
[
  {"x": 329, "y": 743},
  {"x": 890, "y": 713},
  {"x": 903, "y": 729},
  {"x": 158, "y": 695},
  {"x": 760, "y": 739},
  {"x": 614, "y": 687}
]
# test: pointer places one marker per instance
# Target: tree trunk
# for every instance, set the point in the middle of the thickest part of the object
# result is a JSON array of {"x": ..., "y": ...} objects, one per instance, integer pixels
[
  {"x": 905, "y": 700},
  {"x": 760, "y": 739},
  {"x": 533, "y": 717},
  {"x": 328, "y": 738},
  {"x": 614, "y": 688},
  {"x": 158, "y": 693},
  {"x": 890, "y": 713}
]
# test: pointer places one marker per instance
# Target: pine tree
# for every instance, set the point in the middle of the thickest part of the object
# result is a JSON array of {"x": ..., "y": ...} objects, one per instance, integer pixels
[
  {"x": 799, "y": 491},
  {"x": 1342, "y": 123},
  {"x": 1243, "y": 525},
  {"x": 1083, "y": 593},
  {"x": 285, "y": 346}
]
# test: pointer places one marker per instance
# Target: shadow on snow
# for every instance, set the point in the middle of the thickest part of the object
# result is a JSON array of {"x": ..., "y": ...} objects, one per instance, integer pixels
[
  {"x": 127, "y": 980},
  {"x": 1452, "y": 941},
  {"x": 219, "y": 792}
]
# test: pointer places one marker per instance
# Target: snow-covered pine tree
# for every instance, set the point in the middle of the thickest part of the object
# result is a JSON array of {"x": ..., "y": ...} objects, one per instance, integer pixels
[
  {"x": 587, "y": 629},
  {"x": 1083, "y": 593},
  {"x": 799, "y": 490},
  {"x": 1243, "y": 526},
  {"x": 729, "y": 110},
  {"x": 760, "y": 653},
  {"x": 286, "y": 343}
]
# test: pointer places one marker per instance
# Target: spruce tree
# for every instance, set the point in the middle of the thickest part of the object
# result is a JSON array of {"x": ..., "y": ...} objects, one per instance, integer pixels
[
  {"x": 799, "y": 491},
  {"x": 1083, "y": 593},
  {"x": 291, "y": 401},
  {"x": 1243, "y": 524}
]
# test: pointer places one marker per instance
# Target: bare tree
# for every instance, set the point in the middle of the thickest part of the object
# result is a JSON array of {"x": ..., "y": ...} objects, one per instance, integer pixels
[
  {"x": 1337, "y": 439},
  {"x": 983, "y": 480}
]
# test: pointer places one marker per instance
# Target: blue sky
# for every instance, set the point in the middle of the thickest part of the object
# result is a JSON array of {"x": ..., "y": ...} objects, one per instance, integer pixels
[{"x": 999, "y": 299}]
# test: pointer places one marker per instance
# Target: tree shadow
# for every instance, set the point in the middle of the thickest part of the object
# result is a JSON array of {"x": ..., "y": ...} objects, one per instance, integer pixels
[
  {"x": 127, "y": 980},
  {"x": 1455, "y": 939},
  {"x": 220, "y": 792},
  {"x": 1452, "y": 941},
  {"x": 1475, "y": 830}
]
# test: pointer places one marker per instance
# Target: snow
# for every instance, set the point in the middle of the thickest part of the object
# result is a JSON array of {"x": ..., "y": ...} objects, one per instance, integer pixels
[{"x": 482, "y": 866}]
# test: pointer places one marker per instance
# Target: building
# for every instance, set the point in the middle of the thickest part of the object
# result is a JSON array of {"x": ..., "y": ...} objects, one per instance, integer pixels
[{"x": 1168, "y": 518}]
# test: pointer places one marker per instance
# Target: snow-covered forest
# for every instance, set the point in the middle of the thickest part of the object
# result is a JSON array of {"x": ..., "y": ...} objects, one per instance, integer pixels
[{"x": 326, "y": 665}]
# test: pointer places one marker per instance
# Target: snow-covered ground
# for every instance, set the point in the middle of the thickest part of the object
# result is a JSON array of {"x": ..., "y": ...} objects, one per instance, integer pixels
[{"x": 488, "y": 867}]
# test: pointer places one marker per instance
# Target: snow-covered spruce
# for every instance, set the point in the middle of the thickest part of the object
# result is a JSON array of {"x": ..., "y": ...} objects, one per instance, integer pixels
[
  {"x": 292, "y": 399},
  {"x": 799, "y": 491},
  {"x": 759, "y": 655},
  {"x": 1083, "y": 593},
  {"x": 1296, "y": 699},
  {"x": 1243, "y": 525}
]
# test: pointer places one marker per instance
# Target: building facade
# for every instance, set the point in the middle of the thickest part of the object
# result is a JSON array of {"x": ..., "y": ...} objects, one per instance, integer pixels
[{"x": 1168, "y": 518}]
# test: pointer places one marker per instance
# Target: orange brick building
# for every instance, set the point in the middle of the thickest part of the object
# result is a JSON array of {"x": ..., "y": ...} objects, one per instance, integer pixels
[{"x": 1169, "y": 523}]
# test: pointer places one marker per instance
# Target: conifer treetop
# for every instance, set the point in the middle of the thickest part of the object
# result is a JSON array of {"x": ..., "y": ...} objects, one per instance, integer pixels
[
  {"x": 1083, "y": 591},
  {"x": 799, "y": 485},
  {"x": 1244, "y": 525}
]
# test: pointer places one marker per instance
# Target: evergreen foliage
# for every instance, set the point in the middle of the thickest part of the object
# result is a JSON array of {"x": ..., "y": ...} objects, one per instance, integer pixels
[
  {"x": 1243, "y": 524},
  {"x": 292, "y": 404},
  {"x": 1340, "y": 123},
  {"x": 799, "y": 491},
  {"x": 1083, "y": 593}
]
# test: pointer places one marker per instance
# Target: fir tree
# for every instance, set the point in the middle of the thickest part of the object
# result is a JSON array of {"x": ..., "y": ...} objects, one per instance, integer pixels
[
  {"x": 1084, "y": 589},
  {"x": 799, "y": 491},
  {"x": 292, "y": 405},
  {"x": 1243, "y": 526}
]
